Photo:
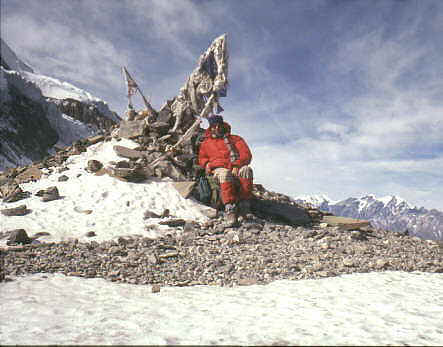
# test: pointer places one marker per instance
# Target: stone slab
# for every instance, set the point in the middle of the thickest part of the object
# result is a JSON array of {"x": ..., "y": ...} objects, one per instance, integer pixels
[
  {"x": 345, "y": 223},
  {"x": 131, "y": 129},
  {"x": 126, "y": 152},
  {"x": 290, "y": 214}
]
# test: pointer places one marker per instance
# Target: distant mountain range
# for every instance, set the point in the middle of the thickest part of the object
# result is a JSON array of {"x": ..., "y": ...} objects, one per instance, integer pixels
[
  {"x": 39, "y": 112},
  {"x": 389, "y": 213}
]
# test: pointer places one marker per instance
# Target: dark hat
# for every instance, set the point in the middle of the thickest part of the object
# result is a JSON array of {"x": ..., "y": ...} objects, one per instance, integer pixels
[{"x": 215, "y": 119}]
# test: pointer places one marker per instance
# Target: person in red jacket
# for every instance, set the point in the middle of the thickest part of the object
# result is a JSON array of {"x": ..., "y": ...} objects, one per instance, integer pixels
[{"x": 227, "y": 157}]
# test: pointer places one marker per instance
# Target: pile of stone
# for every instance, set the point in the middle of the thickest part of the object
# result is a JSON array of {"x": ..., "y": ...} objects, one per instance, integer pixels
[
  {"x": 258, "y": 252},
  {"x": 169, "y": 138}
]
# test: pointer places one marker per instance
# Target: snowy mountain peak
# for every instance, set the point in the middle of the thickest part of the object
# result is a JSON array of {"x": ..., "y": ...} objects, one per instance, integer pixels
[
  {"x": 391, "y": 200},
  {"x": 314, "y": 200},
  {"x": 389, "y": 212},
  {"x": 38, "y": 112}
]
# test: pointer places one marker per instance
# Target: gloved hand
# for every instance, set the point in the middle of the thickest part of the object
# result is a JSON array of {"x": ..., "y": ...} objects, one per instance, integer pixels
[
  {"x": 235, "y": 171},
  {"x": 208, "y": 170}
]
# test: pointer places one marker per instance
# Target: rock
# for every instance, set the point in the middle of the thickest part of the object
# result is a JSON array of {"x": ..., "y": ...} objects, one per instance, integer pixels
[
  {"x": 149, "y": 214},
  {"x": 209, "y": 211},
  {"x": 131, "y": 174},
  {"x": 247, "y": 281},
  {"x": 152, "y": 259},
  {"x": 129, "y": 153},
  {"x": 168, "y": 169},
  {"x": 79, "y": 210},
  {"x": 94, "y": 165},
  {"x": 165, "y": 213},
  {"x": 29, "y": 175},
  {"x": 345, "y": 223},
  {"x": 50, "y": 194},
  {"x": 95, "y": 139},
  {"x": 348, "y": 262},
  {"x": 132, "y": 129},
  {"x": 309, "y": 234},
  {"x": 381, "y": 263},
  {"x": 40, "y": 234},
  {"x": 155, "y": 288},
  {"x": 160, "y": 127},
  {"x": 16, "y": 211},
  {"x": 185, "y": 188},
  {"x": 123, "y": 164},
  {"x": 290, "y": 214},
  {"x": 63, "y": 178},
  {"x": 18, "y": 236},
  {"x": 90, "y": 234},
  {"x": 173, "y": 223},
  {"x": 357, "y": 235},
  {"x": 11, "y": 192},
  {"x": 165, "y": 114},
  {"x": 171, "y": 254},
  {"x": 325, "y": 245},
  {"x": 122, "y": 172}
]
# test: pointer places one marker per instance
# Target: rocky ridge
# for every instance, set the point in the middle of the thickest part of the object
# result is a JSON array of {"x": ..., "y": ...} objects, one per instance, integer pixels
[{"x": 390, "y": 213}]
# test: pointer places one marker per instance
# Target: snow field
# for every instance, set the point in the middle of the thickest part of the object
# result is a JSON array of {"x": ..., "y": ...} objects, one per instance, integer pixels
[{"x": 390, "y": 308}]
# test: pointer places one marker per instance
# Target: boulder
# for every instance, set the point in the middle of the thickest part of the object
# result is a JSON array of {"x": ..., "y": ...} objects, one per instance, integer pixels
[
  {"x": 129, "y": 153},
  {"x": 132, "y": 129},
  {"x": 16, "y": 211},
  {"x": 18, "y": 236},
  {"x": 161, "y": 128},
  {"x": 275, "y": 210},
  {"x": 49, "y": 194},
  {"x": 94, "y": 165},
  {"x": 11, "y": 192},
  {"x": 63, "y": 178}
]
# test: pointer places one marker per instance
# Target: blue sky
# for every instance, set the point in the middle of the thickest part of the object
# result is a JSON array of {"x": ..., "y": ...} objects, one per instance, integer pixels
[{"x": 337, "y": 97}]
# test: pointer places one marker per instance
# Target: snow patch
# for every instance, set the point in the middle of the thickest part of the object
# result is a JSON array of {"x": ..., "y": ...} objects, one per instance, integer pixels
[{"x": 117, "y": 208}]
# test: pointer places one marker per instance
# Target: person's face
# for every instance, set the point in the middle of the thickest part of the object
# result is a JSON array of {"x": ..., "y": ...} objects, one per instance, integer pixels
[{"x": 217, "y": 130}]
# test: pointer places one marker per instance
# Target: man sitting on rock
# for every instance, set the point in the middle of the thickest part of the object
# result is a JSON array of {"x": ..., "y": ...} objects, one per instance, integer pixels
[{"x": 227, "y": 157}]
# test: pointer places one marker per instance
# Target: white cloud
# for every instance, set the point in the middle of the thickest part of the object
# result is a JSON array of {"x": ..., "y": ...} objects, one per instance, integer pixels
[{"x": 62, "y": 52}]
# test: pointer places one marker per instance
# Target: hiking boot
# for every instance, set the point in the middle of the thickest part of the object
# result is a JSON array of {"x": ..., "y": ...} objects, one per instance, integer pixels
[{"x": 230, "y": 215}]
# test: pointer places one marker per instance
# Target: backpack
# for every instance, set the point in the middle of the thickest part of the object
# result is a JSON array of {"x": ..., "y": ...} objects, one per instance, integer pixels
[{"x": 204, "y": 190}]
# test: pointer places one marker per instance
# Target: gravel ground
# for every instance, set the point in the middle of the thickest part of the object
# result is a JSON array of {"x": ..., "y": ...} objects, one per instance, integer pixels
[{"x": 257, "y": 252}]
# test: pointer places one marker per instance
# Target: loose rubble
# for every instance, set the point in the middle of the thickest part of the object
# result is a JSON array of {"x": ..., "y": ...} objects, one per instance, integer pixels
[{"x": 257, "y": 252}]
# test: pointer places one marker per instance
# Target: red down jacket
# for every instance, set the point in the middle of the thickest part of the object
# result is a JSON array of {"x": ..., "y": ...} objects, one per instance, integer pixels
[{"x": 215, "y": 152}]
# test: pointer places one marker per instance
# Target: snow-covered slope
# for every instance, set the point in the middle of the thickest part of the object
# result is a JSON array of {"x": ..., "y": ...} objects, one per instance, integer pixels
[
  {"x": 102, "y": 204},
  {"x": 389, "y": 212},
  {"x": 38, "y": 112}
]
